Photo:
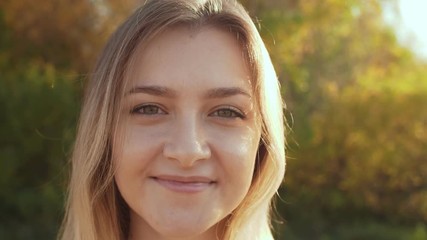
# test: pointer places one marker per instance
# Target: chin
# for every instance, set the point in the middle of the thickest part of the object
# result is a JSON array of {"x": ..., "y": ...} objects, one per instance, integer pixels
[
  {"x": 191, "y": 230},
  {"x": 180, "y": 231}
]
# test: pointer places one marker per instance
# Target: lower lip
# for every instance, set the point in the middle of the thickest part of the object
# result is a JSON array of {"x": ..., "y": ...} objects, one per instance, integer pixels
[{"x": 183, "y": 187}]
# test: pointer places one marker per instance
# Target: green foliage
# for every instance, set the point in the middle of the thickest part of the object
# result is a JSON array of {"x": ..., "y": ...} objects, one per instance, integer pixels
[
  {"x": 39, "y": 107},
  {"x": 365, "y": 231},
  {"x": 357, "y": 105}
]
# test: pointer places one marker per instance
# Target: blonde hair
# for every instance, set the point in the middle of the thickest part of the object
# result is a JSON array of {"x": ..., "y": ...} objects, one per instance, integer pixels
[{"x": 95, "y": 209}]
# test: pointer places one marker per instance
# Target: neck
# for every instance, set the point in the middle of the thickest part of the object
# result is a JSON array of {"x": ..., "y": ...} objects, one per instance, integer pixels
[{"x": 140, "y": 230}]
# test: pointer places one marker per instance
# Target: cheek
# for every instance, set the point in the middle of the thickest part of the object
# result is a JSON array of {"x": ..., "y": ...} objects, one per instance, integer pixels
[
  {"x": 236, "y": 159},
  {"x": 134, "y": 155},
  {"x": 237, "y": 154},
  {"x": 138, "y": 146}
]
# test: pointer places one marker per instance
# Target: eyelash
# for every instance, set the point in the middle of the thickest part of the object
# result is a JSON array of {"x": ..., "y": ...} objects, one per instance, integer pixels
[{"x": 230, "y": 112}]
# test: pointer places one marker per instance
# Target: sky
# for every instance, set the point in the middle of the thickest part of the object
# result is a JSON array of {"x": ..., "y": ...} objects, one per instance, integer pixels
[{"x": 410, "y": 23}]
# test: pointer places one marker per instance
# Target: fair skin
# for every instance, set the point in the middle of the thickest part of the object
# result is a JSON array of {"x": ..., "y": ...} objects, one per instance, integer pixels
[{"x": 190, "y": 138}]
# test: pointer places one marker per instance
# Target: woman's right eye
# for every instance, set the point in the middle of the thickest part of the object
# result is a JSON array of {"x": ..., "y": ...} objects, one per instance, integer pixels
[{"x": 148, "y": 109}]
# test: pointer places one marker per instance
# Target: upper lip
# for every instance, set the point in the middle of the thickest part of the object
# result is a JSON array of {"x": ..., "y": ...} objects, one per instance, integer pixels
[{"x": 184, "y": 179}]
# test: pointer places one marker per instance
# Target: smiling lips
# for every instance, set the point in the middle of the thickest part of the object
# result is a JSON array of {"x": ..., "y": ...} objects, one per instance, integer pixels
[{"x": 180, "y": 184}]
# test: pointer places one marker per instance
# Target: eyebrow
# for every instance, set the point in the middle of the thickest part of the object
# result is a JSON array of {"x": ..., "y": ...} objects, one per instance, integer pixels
[
  {"x": 226, "y": 92},
  {"x": 170, "y": 93},
  {"x": 154, "y": 90}
]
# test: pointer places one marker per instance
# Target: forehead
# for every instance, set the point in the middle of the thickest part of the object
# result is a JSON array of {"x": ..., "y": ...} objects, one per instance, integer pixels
[{"x": 206, "y": 56}]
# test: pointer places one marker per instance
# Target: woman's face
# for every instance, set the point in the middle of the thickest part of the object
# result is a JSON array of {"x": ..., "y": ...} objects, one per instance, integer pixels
[{"x": 191, "y": 135}]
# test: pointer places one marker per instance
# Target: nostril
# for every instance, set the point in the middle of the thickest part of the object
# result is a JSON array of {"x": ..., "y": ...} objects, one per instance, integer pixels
[{"x": 186, "y": 153}]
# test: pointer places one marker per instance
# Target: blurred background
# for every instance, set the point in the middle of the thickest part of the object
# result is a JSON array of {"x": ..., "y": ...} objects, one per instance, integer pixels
[{"x": 354, "y": 77}]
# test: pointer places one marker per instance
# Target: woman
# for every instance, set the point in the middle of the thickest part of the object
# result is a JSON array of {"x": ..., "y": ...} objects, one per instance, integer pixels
[{"x": 181, "y": 131}]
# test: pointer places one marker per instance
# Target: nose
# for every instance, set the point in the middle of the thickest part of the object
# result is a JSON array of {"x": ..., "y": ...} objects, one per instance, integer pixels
[{"x": 187, "y": 143}]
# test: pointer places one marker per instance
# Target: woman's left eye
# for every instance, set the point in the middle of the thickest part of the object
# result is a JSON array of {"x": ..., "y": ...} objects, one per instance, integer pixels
[{"x": 228, "y": 112}]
